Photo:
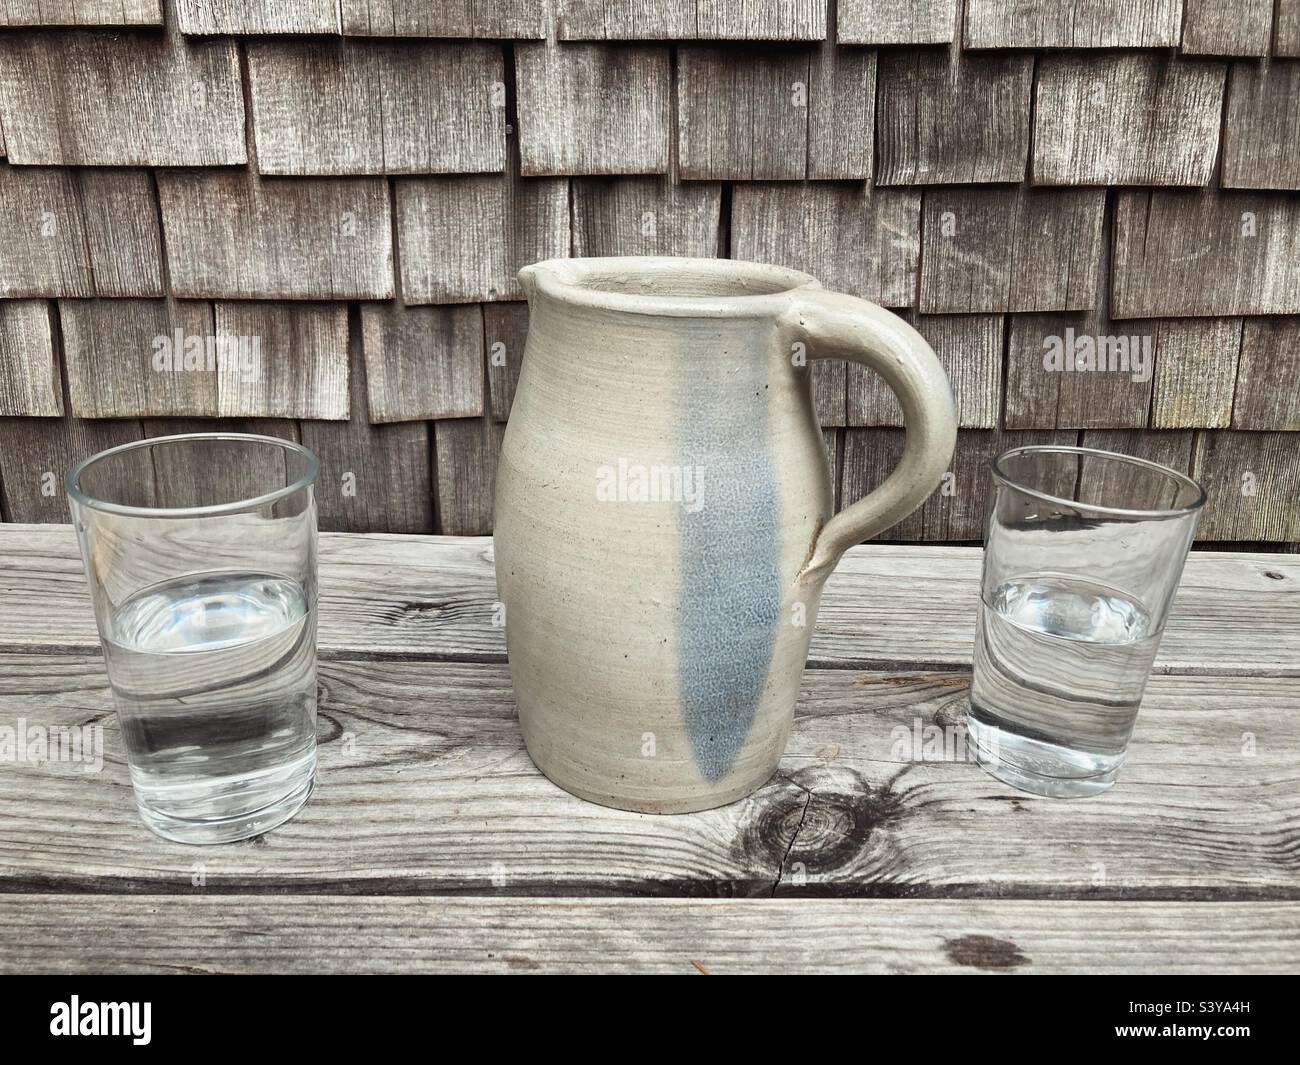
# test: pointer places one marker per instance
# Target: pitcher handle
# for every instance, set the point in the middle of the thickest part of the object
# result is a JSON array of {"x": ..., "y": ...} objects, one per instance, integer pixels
[{"x": 836, "y": 326}]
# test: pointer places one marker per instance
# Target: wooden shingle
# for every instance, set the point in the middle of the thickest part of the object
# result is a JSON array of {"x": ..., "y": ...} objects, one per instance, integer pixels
[
  {"x": 505, "y": 334},
  {"x": 1121, "y": 484},
  {"x": 377, "y": 107},
  {"x": 948, "y": 117},
  {"x": 258, "y": 16},
  {"x": 29, "y": 372},
  {"x": 45, "y": 252},
  {"x": 521, "y": 19},
  {"x": 35, "y": 453},
  {"x": 995, "y": 250},
  {"x": 1196, "y": 372},
  {"x": 422, "y": 362},
  {"x": 1267, "y": 394},
  {"x": 852, "y": 238},
  {"x": 841, "y": 113},
  {"x": 645, "y": 216},
  {"x": 1252, "y": 481},
  {"x": 155, "y": 101},
  {"x": 1261, "y": 138},
  {"x": 129, "y": 358},
  {"x": 754, "y": 20},
  {"x": 230, "y": 235},
  {"x": 896, "y": 21},
  {"x": 1126, "y": 119},
  {"x": 1073, "y": 23},
  {"x": 465, "y": 456},
  {"x": 830, "y": 391},
  {"x": 122, "y": 234},
  {"x": 1286, "y": 30},
  {"x": 1211, "y": 27},
  {"x": 81, "y": 12},
  {"x": 592, "y": 109},
  {"x": 190, "y": 477},
  {"x": 1183, "y": 254}
]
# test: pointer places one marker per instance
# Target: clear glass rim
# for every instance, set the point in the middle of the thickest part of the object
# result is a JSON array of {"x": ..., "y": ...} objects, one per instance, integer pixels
[
  {"x": 234, "y": 507},
  {"x": 1003, "y": 478}
]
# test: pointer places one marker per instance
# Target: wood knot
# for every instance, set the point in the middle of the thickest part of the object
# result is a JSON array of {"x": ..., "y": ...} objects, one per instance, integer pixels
[{"x": 984, "y": 952}]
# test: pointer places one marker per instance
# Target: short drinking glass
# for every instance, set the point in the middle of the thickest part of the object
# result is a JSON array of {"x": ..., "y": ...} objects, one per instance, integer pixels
[
  {"x": 1082, "y": 555},
  {"x": 200, "y": 552}
]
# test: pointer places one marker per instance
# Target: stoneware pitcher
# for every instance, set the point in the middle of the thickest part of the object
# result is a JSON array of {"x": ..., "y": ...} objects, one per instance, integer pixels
[{"x": 664, "y": 514}]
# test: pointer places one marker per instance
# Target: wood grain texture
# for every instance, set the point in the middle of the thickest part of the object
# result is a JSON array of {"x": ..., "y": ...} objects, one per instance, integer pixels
[
  {"x": 230, "y": 235},
  {"x": 1266, "y": 395},
  {"x": 741, "y": 115},
  {"x": 44, "y": 231},
  {"x": 447, "y": 18},
  {"x": 29, "y": 369},
  {"x": 257, "y": 16},
  {"x": 948, "y": 117},
  {"x": 1214, "y": 28},
  {"x": 1286, "y": 30},
  {"x": 422, "y": 362},
  {"x": 81, "y": 13},
  {"x": 995, "y": 250},
  {"x": 755, "y": 20},
  {"x": 156, "y": 101},
  {"x": 1126, "y": 119},
  {"x": 592, "y": 109},
  {"x": 505, "y": 334},
  {"x": 1073, "y": 23},
  {"x": 465, "y": 463},
  {"x": 646, "y": 216},
  {"x": 830, "y": 392},
  {"x": 411, "y": 934},
  {"x": 127, "y": 358},
  {"x": 842, "y": 113},
  {"x": 123, "y": 238},
  {"x": 35, "y": 453},
  {"x": 1196, "y": 372},
  {"x": 851, "y": 238},
  {"x": 1119, "y": 481},
  {"x": 1252, "y": 480},
  {"x": 884, "y": 607},
  {"x": 191, "y": 477},
  {"x": 896, "y": 21},
  {"x": 970, "y": 349},
  {"x": 1188, "y": 254},
  {"x": 293, "y": 360},
  {"x": 375, "y": 107},
  {"x": 1261, "y": 132}
]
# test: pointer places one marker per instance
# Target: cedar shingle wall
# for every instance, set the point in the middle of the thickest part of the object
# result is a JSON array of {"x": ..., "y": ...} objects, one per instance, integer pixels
[{"x": 354, "y": 184}]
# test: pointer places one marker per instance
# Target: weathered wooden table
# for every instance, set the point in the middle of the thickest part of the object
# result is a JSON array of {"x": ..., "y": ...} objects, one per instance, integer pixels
[{"x": 433, "y": 844}]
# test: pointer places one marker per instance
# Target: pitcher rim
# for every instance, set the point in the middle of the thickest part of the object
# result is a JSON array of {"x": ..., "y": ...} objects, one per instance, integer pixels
[{"x": 569, "y": 280}]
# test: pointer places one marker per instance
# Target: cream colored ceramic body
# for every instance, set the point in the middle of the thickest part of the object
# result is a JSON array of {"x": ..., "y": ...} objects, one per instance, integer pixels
[{"x": 663, "y": 515}]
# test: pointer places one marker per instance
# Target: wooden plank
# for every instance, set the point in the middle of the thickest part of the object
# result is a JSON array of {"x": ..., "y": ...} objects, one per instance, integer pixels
[
  {"x": 948, "y": 117},
  {"x": 81, "y": 13},
  {"x": 374, "y": 107},
  {"x": 1196, "y": 372},
  {"x": 1266, "y": 396},
  {"x": 646, "y": 216},
  {"x": 862, "y": 811},
  {"x": 447, "y": 18},
  {"x": 422, "y": 362},
  {"x": 1211, "y": 27},
  {"x": 465, "y": 455},
  {"x": 231, "y": 235},
  {"x": 1073, "y": 23},
  {"x": 885, "y": 607},
  {"x": 592, "y": 109},
  {"x": 157, "y": 100},
  {"x": 505, "y": 333},
  {"x": 1223, "y": 254},
  {"x": 1126, "y": 119},
  {"x": 139, "y": 358},
  {"x": 1253, "y": 482},
  {"x": 896, "y": 21},
  {"x": 970, "y": 349},
  {"x": 1286, "y": 31},
  {"x": 411, "y": 934},
  {"x": 742, "y": 115},
  {"x": 257, "y": 16},
  {"x": 291, "y": 360},
  {"x": 123, "y": 238},
  {"x": 853, "y": 239},
  {"x": 842, "y": 115},
  {"x": 29, "y": 369},
  {"x": 372, "y": 477},
  {"x": 35, "y": 453},
  {"x": 1261, "y": 138},
  {"x": 464, "y": 239},
  {"x": 45, "y": 234},
  {"x": 753, "y": 20},
  {"x": 995, "y": 250}
]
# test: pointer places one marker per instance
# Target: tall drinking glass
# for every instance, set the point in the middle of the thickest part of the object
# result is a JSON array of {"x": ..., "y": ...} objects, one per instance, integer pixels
[
  {"x": 200, "y": 552},
  {"x": 1082, "y": 555}
]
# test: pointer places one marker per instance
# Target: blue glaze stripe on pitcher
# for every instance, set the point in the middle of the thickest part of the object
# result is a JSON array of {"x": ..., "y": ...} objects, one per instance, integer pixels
[{"x": 731, "y": 587}]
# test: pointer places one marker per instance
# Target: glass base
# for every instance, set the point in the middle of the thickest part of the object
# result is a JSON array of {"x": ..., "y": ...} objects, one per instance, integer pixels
[
  {"x": 1038, "y": 767},
  {"x": 230, "y": 829}
]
